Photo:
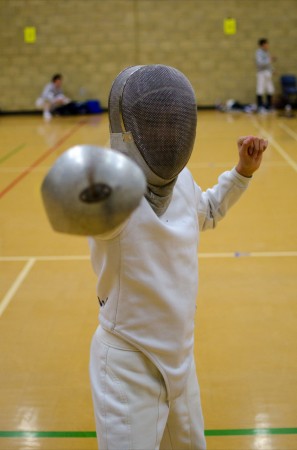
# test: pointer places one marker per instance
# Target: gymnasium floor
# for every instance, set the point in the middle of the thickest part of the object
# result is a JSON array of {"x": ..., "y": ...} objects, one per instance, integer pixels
[{"x": 246, "y": 330}]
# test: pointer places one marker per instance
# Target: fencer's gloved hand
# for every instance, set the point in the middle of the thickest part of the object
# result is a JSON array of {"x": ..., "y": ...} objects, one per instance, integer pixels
[{"x": 91, "y": 190}]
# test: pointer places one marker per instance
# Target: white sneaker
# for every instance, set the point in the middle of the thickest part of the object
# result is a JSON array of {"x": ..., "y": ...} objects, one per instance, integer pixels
[
  {"x": 47, "y": 116},
  {"x": 262, "y": 110}
]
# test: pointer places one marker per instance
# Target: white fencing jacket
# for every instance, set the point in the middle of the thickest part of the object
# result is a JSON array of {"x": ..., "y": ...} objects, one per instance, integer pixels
[{"x": 148, "y": 273}]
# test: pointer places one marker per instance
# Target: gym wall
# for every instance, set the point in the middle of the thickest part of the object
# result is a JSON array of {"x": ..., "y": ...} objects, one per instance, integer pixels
[{"x": 91, "y": 41}]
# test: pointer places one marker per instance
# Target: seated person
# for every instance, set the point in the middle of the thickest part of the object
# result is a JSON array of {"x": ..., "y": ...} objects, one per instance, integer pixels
[{"x": 52, "y": 98}]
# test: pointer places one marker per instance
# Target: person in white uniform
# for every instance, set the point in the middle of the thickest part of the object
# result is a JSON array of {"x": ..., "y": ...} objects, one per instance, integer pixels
[
  {"x": 52, "y": 97},
  {"x": 265, "y": 84},
  {"x": 144, "y": 212},
  {"x": 142, "y": 368}
]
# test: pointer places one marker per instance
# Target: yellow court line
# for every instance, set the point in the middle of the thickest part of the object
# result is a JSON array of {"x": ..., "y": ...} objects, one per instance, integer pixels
[
  {"x": 249, "y": 255},
  {"x": 46, "y": 258},
  {"x": 275, "y": 144},
  {"x": 21, "y": 169},
  {"x": 13, "y": 289},
  {"x": 206, "y": 165},
  {"x": 278, "y": 254},
  {"x": 32, "y": 259},
  {"x": 229, "y": 165},
  {"x": 288, "y": 130}
]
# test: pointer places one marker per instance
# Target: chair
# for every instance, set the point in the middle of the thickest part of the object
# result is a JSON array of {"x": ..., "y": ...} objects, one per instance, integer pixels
[{"x": 289, "y": 88}]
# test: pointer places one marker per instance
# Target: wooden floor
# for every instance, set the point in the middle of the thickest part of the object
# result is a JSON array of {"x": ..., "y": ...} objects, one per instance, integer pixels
[{"x": 246, "y": 330}]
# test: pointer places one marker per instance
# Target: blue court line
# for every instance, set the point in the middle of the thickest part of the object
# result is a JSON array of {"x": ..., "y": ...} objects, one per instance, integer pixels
[
  {"x": 92, "y": 434},
  {"x": 11, "y": 153}
]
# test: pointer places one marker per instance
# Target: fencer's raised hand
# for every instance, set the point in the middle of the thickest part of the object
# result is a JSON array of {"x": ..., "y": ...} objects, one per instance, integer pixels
[{"x": 250, "y": 150}]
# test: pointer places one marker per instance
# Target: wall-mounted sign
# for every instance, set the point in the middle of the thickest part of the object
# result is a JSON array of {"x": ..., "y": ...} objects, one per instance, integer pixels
[
  {"x": 30, "y": 35},
  {"x": 230, "y": 26}
]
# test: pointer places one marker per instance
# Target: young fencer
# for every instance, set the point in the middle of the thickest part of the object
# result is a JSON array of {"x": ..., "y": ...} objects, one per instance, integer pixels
[{"x": 142, "y": 369}]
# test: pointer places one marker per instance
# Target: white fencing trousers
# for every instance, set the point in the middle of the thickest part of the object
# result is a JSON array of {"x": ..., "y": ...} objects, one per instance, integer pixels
[
  {"x": 130, "y": 402},
  {"x": 264, "y": 83}
]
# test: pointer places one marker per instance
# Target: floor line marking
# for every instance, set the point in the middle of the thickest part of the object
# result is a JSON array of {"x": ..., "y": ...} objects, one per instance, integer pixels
[
  {"x": 214, "y": 165},
  {"x": 11, "y": 153},
  {"x": 236, "y": 254},
  {"x": 288, "y": 130},
  {"x": 275, "y": 144},
  {"x": 42, "y": 158},
  {"x": 250, "y": 431},
  {"x": 21, "y": 169},
  {"x": 46, "y": 258},
  {"x": 248, "y": 254},
  {"x": 210, "y": 165},
  {"x": 13, "y": 289},
  {"x": 92, "y": 434}
]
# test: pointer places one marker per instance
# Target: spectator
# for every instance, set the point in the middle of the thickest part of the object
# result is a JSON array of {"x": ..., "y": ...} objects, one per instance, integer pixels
[
  {"x": 52, "y": 97},
  {"x": 264, "y": 76}
]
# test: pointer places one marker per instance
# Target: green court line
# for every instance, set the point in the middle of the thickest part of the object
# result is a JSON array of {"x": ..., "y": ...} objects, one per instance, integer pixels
[
  {"x": 250, "y": 431},
  {"x": 47, "y": 434},
  {"x": 92, "y": 434},
  {"x": 12, "y": 152}
]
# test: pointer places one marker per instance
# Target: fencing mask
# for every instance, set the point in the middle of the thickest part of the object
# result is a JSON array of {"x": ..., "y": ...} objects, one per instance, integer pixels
[{"x": 153, "y": 117}]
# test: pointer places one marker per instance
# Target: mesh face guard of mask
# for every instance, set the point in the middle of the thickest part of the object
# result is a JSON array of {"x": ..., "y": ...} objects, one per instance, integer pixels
[{"x": 154, "y": 106}]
